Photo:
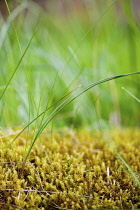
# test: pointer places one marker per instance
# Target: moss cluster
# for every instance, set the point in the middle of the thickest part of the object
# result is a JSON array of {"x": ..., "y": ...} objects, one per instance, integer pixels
[{"x": 71, "y": 170}]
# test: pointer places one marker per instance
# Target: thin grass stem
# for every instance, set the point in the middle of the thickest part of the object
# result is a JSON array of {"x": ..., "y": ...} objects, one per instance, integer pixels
[
  {"x": 68, "y": 101},
  {"x": 131, "y": 94},
  {"x": 18, "y": 64}
]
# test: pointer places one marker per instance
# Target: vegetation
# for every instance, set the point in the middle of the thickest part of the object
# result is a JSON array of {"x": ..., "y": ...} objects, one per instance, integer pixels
[
  {"x": 74, "y": 49},
  {"x": 63, "y": 69},
  {"x": 71, "y": 170}
]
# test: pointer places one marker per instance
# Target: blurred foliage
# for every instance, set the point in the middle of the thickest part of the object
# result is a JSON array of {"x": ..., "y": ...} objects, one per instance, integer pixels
[{"x": 76, "y": 43}]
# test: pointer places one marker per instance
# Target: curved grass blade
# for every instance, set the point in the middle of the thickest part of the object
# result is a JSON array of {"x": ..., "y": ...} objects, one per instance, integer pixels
[
  {"x": 6, "y": 25},
  {"x": 68, "y": 101},
  {"x": 43, "y": 113}
]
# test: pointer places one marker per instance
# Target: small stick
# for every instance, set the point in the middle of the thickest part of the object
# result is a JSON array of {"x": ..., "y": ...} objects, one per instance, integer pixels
[{"x": 22, "y": 170}]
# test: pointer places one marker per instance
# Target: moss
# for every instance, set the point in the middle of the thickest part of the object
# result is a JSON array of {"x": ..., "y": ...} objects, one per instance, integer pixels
[{"x": 74, "y": 170}]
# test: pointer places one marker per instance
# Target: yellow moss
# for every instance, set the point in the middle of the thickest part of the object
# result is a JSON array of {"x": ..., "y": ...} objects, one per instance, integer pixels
[{"x": 75, "y": 170}]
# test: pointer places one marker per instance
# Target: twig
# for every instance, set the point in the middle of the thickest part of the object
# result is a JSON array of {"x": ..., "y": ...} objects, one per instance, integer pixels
[{"x": 44, "y": 191}]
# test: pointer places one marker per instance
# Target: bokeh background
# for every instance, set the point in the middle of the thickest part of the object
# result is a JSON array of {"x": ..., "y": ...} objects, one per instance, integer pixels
[{"x": 77, "y": 42}]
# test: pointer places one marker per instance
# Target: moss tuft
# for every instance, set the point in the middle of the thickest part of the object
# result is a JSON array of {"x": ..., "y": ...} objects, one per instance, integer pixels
[{"x": 74, "y": 170}]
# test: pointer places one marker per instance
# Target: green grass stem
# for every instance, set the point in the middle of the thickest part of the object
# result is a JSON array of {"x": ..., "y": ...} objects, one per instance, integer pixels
[
  {"x": 131, "y": 94},
  {"x": 18, "y": 64},
  {"x": 68, "y": 101},
  {"x": 128, "y": 168}
]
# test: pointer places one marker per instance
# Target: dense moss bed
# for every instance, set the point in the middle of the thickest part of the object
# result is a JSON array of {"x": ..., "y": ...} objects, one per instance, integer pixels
[{"x": 71, "y": 170}]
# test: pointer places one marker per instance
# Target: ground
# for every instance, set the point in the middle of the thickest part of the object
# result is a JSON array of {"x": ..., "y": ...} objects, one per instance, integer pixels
[{"x": 71, "y": 169}]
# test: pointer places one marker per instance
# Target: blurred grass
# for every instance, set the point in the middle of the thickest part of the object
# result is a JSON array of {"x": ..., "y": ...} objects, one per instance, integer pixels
[{"x": 62, "y": 55}]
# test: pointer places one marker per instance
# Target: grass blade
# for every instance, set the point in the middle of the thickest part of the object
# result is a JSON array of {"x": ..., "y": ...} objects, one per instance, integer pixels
[
  {"x": 101, "y": 16},
  {"x": 131, "y": 94},
  {"x": 68, "y": 101},
  {"x": 129, "y": 168},
  {"x": 18, "y": 64},
  {"x": 43, "y": 113},
  {"x": 6, "y": 25},
  {"x": 87, "y": 32}
]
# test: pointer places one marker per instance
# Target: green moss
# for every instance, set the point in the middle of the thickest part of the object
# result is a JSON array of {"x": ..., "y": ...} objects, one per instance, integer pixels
[{"x": 74, "y": 170}]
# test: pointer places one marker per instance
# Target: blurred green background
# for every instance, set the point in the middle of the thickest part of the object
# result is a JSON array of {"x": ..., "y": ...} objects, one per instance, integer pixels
[{"x": 76, "y": 43}]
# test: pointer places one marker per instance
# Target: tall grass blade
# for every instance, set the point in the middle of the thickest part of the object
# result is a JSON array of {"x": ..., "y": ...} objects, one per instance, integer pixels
[
  {"x": 128, "y": 168},
  {"x": 68, "y": 101},
  {"x": 49, "y": 101},
  {"x": 43, "y": 113},
  {"x": 19, "y": 45},
  {"x": 3, "y": 87},
  {"x": 98, "y": 20},
  {"x": 6, "y": 25},
  {"x": 88, "y": 31},
  {"x": 18, "y": 64}
]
